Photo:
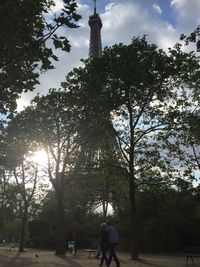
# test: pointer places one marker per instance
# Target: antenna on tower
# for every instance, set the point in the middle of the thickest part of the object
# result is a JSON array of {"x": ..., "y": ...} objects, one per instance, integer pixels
[{"x": 95, "y": 6}]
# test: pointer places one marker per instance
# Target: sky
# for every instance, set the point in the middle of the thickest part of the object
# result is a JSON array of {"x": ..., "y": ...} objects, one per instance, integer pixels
[{"x": 163, "y": 21}]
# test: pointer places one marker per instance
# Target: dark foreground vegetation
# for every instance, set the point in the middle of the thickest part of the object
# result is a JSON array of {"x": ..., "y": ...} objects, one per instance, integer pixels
[{"x": 169, "y": 221}]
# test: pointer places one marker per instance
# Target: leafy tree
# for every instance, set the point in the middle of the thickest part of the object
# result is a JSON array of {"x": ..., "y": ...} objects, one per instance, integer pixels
[
  {"x": 26, "y": 176},
  {"x": 7, "y": 200},
  {"x": 46, "y": 218},
  {"x": 52, "y": 126},
  {"x": 39, "y": 233},
  {"x": 30, "y": 193},
  {"x": 77, "y": 219},
  {"x": 182, "y": 144},
  {"x": 149, "y": 104},
  {"x": 174, "y": 217},
  {"x": 141, "y": 89},
  {"x": 25, "y": 28},
  {"x": 193, "y": 37}
]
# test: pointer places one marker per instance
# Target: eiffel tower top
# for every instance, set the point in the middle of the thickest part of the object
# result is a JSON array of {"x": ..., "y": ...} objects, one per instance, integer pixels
[
  {"x": 95, "y": 6},
  {"x": 95, "y": 33}
]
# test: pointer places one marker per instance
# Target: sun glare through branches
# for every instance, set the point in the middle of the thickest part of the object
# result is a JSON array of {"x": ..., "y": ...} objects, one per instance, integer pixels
[{"x": 40, "y": 157}]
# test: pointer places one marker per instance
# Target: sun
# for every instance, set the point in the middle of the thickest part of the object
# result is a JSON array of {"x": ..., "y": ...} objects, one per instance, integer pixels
[{"x": 40, "y": 157}]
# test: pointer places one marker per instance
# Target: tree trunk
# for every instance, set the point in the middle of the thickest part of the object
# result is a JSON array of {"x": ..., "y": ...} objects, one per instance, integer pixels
[
  {"x": 23, "y": 232},
  {"x": 60, "y": 241},
  {"x": 133, "y": 225}
]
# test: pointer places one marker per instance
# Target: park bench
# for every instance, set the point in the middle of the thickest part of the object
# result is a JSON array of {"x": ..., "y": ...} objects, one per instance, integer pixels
[
  {"x": 95, "y": 252},
  {"x": 190, "y": 253},
  {"x": 94, "y": 249},
  {"x": 11, "y": 246}
]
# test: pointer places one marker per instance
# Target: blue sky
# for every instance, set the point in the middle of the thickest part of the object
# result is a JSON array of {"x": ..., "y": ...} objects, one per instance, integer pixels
[
  {"x": 167, "y": 13},
  {"x": 161, "y": 20}
]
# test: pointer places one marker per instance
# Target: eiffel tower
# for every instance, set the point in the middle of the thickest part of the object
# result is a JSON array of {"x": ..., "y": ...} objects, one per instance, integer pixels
[
  {"x": 103, "y": 139},
  {"x": 95, "y": 33}
]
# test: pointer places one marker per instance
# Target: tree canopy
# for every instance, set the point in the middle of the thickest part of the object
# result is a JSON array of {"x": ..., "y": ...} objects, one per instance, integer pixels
[
  {"x": 113, "y": 129},
  {"x": 25, "y": 28},
  {"x": 141, "y": 90}
]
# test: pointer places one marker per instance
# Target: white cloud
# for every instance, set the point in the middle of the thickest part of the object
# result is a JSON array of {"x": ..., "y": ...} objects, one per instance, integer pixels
[
  {"x": 109, "y": 6},
  {"x": 157, "y": 8},
  {"x": 22, "y": 102},
  {"x": 121, "y": 21},
  {"x": 83, "y": 9},
  {"x": 187, "y": 13}
]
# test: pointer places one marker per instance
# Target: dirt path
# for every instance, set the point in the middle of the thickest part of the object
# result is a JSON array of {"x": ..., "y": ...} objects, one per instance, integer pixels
[
  {"x": 146, "y": 261},
  {"x": 48, "y": 259},
  {"x": 29, "y": 259}
]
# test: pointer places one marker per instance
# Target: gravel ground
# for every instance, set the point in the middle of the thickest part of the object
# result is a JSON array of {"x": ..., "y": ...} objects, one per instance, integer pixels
[
  {"x": 28, "y": 259},
  {"x": 146, "y": 260},
  {"x": 48, "y": 259}
]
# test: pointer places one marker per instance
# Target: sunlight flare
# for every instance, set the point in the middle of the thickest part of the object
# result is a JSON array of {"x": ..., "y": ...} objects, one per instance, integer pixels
[{"x": 40, "y": 157}]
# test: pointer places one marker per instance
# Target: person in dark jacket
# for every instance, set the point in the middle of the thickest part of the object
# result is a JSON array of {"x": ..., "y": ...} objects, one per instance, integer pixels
[
  {"x": 113, "y": 240},
  {"x": 103, "y": 234}
]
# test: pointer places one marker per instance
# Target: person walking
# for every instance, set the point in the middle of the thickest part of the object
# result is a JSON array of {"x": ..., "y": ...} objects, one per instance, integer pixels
[
  {"x": 103, "y": 234},
  {"x": 113, "y": 239}
]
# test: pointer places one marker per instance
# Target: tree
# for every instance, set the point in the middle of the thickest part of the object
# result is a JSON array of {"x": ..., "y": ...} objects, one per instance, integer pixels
[
  {"x": 167, "y": 213},
  {"x": 51, "y": 125},
  {"x": 193, "y": 37},
  {"x": 192, "y": 118},
  {"x": 30, "y": 192},
  {"x": 7, "y": 200},
  {"x": 26, "y": 26},
  {"x": 140, "y": 88},
  {"x": 150, "y": 85},
  {"x": 25, "y": 174},
  {"x": 182, "y": 144}
]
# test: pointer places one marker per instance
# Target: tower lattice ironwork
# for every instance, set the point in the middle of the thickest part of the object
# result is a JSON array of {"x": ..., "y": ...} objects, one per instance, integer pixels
[{"x": 95, "y": 33}]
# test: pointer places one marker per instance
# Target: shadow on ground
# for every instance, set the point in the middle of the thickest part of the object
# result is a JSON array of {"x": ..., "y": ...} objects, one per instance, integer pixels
[
  {"x": 16, "y": 260},
  {"x": 34, "y": 259}
]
